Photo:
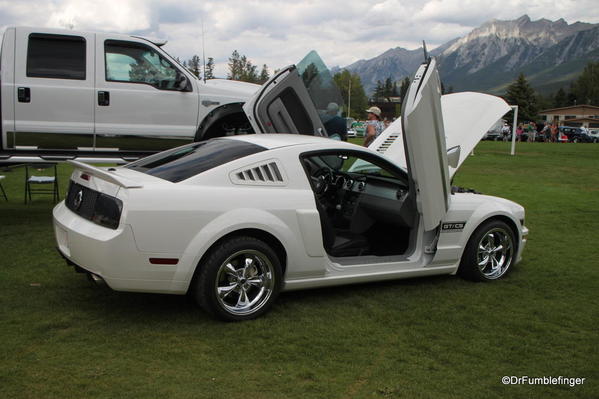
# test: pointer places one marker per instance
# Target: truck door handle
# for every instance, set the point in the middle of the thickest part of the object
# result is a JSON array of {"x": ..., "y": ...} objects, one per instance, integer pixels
[
  {"x": 103, "y": 98},
  {"x": 24, "y": 94}
]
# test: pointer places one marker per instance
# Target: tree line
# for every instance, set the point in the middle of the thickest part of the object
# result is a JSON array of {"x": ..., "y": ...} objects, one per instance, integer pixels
[{"x": 584, "y": 90}]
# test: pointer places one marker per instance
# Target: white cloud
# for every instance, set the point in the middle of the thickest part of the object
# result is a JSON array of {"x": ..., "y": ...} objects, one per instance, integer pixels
[{"x": 278, "y": 33}]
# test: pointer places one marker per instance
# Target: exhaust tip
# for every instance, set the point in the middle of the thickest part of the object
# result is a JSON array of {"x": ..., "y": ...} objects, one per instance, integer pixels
[{"x": 97, "y": 280}]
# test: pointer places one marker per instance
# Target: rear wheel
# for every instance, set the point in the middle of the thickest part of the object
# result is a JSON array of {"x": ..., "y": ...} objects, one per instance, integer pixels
[
  {"x": 240, "y": 279},
  {"x": 489, "y": 253}
]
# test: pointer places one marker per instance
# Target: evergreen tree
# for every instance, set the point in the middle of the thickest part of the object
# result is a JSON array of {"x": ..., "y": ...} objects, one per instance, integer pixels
[
  {"x": 586, "y": 87},
  {"x": 310, "y": 76},
  {"x": 242, "y": 69},
  {"x": 403, "y": 90},
  {"x": 560, "y": 99},
  {"x": 263, "y": 74},
  {"x": 234, "y": 66},
  {"x": 388, "y": 89},
  {"x": 209, "y": 73},
  {"x": 544, "y": 102},
  {"x": 194, "y": 65},
  {"x": 520, "y": 93},
  {"x": 379, "y": 90}
]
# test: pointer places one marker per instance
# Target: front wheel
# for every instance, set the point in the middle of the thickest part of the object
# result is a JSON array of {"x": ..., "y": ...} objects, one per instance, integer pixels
[
  {"x": 489, "y": 253},
  {"x": 240, "y": 279}
]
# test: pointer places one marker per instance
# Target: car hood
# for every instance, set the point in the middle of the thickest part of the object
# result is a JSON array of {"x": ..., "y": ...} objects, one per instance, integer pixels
[{"x": 467, "y": 117}]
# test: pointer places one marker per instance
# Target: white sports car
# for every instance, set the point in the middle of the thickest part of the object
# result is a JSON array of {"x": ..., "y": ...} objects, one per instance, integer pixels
[{"x": 237, "y": 220}]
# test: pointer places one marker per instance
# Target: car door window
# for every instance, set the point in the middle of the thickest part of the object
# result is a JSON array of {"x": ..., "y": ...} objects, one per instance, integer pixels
[{"x": 136, "y": 63}]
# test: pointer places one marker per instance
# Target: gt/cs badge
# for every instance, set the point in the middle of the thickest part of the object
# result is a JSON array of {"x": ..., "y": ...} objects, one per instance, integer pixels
[{"x": 453, "y": 226}]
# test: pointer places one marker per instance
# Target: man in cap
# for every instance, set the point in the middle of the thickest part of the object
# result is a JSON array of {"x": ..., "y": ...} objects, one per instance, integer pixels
[{"x": 374, "y": 126}]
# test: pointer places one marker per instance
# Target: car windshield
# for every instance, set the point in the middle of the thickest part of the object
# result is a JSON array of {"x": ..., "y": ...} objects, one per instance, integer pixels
[{"x": 189, "y": 160}]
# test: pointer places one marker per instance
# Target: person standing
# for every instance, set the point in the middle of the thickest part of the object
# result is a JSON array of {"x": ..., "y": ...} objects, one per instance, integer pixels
[
  {"x": 553, "y": 130},
  {"x": 519, "y": 132},
  {"x": 546, "y": 133},
  {"x": 335, "y": 125},
  {"x": 505, "y": 131},
  {"x": 374, "y": 125}
]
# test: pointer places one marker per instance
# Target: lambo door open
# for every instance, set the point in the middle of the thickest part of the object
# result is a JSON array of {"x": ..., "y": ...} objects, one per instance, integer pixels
[
  {"x": 425, "y": 148},
  {"x": 283, "y": 105}
]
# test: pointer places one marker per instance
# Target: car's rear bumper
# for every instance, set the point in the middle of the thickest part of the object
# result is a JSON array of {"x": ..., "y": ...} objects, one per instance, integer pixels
[{"x": 111, "y": 254}]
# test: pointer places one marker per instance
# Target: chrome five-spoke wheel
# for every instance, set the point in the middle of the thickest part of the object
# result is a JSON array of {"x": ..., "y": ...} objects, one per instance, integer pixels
[
  {"x": 239, "y": 280},
  {"x": 495, "y": 253},
  {"x": 245, "y": 282},
  {"x": 490, "y": 252}
]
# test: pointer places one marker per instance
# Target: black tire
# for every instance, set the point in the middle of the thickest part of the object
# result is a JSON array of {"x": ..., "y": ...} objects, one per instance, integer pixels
[
  {"x": 479, "y": 249},
  {"x": 248, "y": 290}
]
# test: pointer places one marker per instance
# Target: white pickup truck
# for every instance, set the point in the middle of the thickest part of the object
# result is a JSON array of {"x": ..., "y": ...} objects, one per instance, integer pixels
[{"x": 97, "y": 96}]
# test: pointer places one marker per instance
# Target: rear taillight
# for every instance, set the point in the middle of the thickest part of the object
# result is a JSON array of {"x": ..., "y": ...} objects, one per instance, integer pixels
[
  {"x": 100, "y": 208},
  {"x": 107, "y": 211}
]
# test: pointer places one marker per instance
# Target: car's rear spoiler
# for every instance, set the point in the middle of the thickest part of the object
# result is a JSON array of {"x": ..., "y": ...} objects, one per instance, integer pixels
[{"x": 105, "y": 175}]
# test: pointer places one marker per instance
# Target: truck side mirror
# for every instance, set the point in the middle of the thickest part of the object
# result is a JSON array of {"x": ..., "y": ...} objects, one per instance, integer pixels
[{"x": 181, "y": 82}]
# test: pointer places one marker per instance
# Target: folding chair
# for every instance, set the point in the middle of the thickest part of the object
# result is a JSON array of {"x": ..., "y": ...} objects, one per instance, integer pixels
[
  {"x": 2, "y": 188},
  {"x": 39, "y": 184}
]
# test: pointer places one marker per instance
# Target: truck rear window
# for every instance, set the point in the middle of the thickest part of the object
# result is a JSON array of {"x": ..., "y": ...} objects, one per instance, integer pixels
[
  {"x": 187, "y": 161},
  {"x": 56, "y": 56}
]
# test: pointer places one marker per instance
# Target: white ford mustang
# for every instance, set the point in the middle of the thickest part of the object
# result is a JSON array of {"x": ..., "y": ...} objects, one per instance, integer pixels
[{"x": 236, "y": 220}]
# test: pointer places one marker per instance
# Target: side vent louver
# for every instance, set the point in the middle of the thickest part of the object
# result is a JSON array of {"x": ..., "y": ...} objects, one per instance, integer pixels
[
  {"x": 387, "y": 143},
  {"x": 267, "y": 173}
]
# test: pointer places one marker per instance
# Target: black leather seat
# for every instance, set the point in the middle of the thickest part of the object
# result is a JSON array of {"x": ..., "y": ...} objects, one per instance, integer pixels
[{"x": 339, "y": 242}]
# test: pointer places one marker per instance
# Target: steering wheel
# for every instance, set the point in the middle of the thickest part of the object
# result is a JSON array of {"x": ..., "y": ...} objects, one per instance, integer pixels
[{"x": 322, "y": 180}]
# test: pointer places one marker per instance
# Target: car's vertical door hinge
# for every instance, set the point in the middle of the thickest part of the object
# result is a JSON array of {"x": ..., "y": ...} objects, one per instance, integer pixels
[{"x": 432, "y": 247}]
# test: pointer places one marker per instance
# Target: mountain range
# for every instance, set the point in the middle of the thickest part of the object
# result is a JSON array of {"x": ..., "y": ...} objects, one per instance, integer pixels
[{"x": 550, "y": 53}]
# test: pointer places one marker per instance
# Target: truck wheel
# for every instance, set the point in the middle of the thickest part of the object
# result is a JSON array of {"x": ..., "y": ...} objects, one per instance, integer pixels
[
  {"x": 489, "y": 253},
  {"x": 240, "y": 280}
]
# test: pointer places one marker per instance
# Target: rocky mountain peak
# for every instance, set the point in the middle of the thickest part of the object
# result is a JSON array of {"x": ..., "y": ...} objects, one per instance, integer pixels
[
  {"x": 542, "y": 32},
  {"x": 494, "y": 53}
]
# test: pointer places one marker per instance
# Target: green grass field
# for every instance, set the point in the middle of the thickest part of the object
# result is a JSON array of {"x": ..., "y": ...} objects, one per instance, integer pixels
[{"x": 439, "y": 337}]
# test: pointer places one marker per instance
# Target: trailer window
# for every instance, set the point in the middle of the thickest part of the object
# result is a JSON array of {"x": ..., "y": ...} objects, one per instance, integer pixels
[{"x": 56, "y": 56}]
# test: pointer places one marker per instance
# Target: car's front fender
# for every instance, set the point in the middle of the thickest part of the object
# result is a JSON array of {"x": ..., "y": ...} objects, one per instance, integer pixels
[{"x": 466, "y": 214}]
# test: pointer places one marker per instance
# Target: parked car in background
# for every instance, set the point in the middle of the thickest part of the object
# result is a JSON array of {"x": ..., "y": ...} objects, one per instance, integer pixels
[
  {"x": 359, "y": 128},
  {"x": 594, "y": 135},
  {"x": 69, "y": 94},
  {"x": 575, "y": 134},
  {"x": 351, "y": 133},
  {"x": 494, "y": 133}
]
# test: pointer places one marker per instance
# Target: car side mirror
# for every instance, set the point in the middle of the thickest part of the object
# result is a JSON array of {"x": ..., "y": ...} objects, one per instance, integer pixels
[
  {"x": 453, "y": 156},
  {"x": 181, "y": 82}
]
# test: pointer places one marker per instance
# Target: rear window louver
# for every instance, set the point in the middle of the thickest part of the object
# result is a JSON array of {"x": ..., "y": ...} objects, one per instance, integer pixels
[
  {"x": 263, "y": 173},
  {"x": 387, "y": 143}
]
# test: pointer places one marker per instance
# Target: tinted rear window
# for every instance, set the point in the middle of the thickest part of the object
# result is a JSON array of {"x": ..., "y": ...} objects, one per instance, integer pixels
[
  {"x": 184, "y": 162},
  {"x": 56, "y": 56}
]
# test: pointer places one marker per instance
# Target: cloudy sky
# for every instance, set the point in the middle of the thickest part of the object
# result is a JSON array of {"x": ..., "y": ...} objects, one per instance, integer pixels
[{"x": 279, "y": 33}]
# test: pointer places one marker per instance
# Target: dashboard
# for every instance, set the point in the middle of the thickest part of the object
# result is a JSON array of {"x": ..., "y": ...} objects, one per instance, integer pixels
[{"x": 358, "y": 201}]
